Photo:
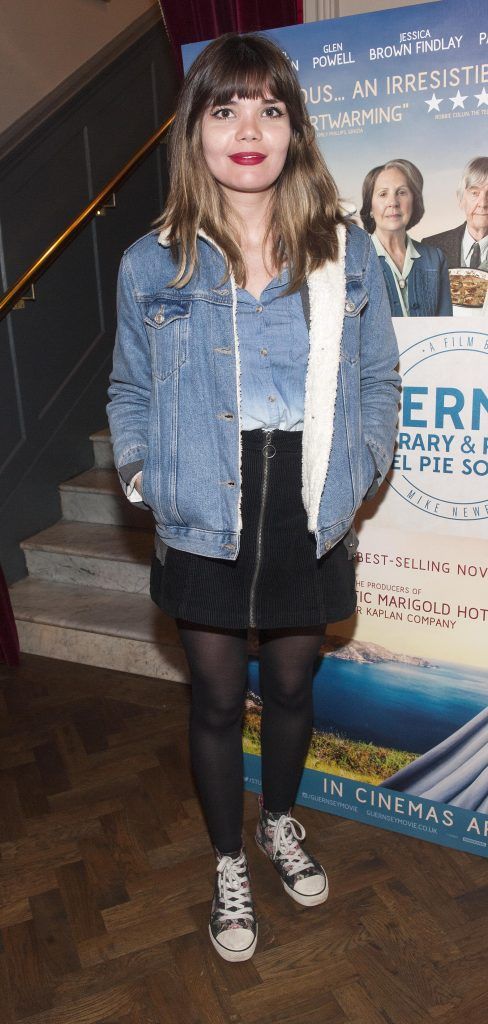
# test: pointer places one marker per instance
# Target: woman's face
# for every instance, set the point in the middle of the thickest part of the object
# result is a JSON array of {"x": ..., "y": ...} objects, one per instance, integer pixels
[
  {"x": 245, "y": 143},
  {"x": 392, "y": 201}
]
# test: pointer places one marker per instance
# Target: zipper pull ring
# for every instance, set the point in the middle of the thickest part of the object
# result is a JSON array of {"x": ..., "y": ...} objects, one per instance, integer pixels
[{"x": 269, "y": 450}]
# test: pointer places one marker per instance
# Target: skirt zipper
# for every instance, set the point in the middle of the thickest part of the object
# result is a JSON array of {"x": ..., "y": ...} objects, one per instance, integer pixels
[{"x": 269, "y": 451}]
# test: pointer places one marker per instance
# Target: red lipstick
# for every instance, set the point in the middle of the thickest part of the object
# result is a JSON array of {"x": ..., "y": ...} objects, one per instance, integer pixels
[{"x": 247, "y": 159}]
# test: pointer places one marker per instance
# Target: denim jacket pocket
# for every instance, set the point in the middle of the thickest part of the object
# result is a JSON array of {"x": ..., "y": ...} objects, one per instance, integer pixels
[
  {"x": 356, "y": 299},
  {"x": 167, "y": 325}
]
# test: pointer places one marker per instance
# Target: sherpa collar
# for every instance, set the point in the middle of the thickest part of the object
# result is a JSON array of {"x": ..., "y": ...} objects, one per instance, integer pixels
[{"x": 327, "y": 291}]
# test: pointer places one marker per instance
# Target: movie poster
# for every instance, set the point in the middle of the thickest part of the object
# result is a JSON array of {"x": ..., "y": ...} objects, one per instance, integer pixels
[
  {"x": 401, "y": 694},
  {"x": 411, "y": 84}
]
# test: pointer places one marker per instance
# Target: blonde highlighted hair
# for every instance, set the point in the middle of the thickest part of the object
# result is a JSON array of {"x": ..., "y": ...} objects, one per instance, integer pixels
[{"x": 304, "y": 208}]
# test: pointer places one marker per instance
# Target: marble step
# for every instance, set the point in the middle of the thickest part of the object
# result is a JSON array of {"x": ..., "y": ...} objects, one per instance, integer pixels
[
  {"x": 96, "y": 497},
  {"x": 102, "y": 449},
  {"x": 93, "y": 555},
  {"x": 97, "y": 627}
]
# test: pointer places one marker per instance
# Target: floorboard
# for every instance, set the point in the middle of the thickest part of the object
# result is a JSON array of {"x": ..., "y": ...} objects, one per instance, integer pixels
[{"x": 106, "y": 875}]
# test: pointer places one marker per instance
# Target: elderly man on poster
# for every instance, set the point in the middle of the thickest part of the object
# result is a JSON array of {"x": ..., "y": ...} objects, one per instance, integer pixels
[{"x": 467, "y": 245}]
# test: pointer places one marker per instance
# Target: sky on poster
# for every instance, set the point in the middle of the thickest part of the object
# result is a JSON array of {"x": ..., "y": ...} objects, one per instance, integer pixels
[{"x": 446, "y": 67}]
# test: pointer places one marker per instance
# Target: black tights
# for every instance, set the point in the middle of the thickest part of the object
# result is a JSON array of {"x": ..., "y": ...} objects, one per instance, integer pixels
[{"x": 218, "y": 669}]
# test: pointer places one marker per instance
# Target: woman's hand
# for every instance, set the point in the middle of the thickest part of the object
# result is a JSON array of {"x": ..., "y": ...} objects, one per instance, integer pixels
[{"x": 137, "y": 483}]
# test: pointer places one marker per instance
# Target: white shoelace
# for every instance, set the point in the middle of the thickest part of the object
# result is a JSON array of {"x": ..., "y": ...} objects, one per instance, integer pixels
[
  {"x": 286, "y": 841},
  {"x": 236, "y": 897}
]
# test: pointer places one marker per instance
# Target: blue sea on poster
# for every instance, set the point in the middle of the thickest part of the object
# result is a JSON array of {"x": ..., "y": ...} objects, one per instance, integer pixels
[{"x": 403, "y": 706}]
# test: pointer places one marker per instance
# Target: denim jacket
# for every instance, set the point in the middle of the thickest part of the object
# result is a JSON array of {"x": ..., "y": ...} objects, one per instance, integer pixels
[
  {"x": 428, "y": 284},
  {"x": 175, "y": 397}
]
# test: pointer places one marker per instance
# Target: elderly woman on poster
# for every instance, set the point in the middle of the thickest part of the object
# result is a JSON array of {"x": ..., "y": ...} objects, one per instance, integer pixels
[{"x": 416, "y": 274}]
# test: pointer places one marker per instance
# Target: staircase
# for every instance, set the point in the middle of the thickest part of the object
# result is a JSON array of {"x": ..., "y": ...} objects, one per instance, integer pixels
[{"x": 86, "y": 598}]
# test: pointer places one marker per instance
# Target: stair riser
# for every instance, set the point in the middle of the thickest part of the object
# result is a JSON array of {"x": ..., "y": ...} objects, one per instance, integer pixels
[
  {"x": 92, "y": 507},
  {"x": 129, "y": 577},
  {"x": 119, "y": 653},
  {"x": 103, "y": 454}
]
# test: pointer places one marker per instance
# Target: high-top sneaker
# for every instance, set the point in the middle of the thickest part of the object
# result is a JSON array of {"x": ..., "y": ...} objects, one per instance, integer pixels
[
  {"x": 233, "y": 927},
  {"x": 279, "y": 837}
]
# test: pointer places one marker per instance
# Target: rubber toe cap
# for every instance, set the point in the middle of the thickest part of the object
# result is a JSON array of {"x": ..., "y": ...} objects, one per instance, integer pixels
[{"x": 311, "y": 886}]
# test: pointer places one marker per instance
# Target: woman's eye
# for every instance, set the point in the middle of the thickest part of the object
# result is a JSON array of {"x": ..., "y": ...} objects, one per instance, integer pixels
[
  {"x": 223, "y": 113},
  {"x": 273, "y": 112}
]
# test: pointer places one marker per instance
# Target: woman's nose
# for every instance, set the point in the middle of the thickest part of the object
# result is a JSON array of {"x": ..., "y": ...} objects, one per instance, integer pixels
[{"x": 249, "y": 129}]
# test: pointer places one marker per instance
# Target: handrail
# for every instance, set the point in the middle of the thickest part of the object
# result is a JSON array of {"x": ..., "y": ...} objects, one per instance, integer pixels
[{"x": 17, "y": 290}]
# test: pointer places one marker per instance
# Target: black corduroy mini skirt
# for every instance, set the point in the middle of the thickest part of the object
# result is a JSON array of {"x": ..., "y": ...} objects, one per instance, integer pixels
[{"x": 276, "y": 582}]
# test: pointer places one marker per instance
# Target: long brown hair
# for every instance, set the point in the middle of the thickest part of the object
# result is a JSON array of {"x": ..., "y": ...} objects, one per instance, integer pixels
[{"x": 304, "y": 209}]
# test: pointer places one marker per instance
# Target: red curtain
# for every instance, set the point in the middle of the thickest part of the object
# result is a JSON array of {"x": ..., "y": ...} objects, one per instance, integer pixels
[
  {"x": 189, "y": 21},
  {"x": 9, "y": 641}
]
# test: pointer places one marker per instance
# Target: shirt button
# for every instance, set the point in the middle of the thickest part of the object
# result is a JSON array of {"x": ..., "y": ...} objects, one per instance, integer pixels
[
  {"x": 259, "y": 309},
  {"x": 271, "y": 398},
  {"x": 264, "y": 352}
]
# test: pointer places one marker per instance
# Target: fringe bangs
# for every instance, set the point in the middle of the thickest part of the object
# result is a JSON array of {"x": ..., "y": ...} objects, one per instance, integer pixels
[{"x": 304, "y": 211}]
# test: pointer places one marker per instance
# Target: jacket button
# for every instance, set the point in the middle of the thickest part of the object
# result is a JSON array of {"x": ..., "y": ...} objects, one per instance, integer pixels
[
  {"x": 158, "y": 319},
  {"x": 350, "y": 306},
  {"x": 328, "y": 545}
]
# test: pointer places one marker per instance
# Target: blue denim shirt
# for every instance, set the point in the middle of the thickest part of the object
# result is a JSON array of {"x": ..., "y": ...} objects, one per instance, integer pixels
[
  {"x": 273, "y": 338},
  {"x": 176, "y": 401},
  {"x": 428, "y": 284}
]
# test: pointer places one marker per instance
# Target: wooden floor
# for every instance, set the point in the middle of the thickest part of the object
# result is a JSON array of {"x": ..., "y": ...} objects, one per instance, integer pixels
[{"x": 106, "y": 874}]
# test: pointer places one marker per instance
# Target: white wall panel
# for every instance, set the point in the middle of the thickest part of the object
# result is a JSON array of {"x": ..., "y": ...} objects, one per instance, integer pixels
[
  {"x": 42, "y": 43},
  {"x": 318, "y": 10}
]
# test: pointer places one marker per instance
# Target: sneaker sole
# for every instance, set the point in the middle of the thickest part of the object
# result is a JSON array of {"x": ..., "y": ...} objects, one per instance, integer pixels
[
  {"x": 233, "y": 955},
  {"x": 304, "y": 901}
]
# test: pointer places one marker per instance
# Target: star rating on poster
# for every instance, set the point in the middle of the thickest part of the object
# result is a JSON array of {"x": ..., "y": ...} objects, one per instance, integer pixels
[
  {"x": 433, "y": 103},
  {"x": 482, "y": 97},
  {"x": 457, "y": 101}
]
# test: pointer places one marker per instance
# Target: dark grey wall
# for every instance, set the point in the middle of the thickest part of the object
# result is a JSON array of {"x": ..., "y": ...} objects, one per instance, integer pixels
[{"x": 55, "y": 355}]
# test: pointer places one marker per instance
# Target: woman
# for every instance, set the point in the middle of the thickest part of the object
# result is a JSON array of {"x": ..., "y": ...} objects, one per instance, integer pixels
[
  {"x": 416, "y": 274},
  {"x": 257, "y": 435}
]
